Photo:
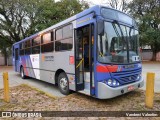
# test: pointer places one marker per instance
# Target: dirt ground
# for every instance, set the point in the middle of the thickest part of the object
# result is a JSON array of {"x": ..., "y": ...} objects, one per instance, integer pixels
[{"x": 26, "y": 98}]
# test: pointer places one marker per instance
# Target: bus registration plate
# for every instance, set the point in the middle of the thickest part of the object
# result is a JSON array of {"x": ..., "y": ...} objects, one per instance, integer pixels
[{"x": 130, "y": 88}]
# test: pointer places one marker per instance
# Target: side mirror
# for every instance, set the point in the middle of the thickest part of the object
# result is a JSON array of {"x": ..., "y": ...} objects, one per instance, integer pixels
[{"x": 100, "y": 27}]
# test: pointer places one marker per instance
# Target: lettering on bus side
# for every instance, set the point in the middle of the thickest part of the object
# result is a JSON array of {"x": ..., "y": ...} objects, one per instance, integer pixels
[{"x": 47, "y": 58}]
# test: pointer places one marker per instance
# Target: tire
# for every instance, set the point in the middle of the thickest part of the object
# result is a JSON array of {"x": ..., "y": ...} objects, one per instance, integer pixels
[
  {"x": 22, "y": 73},
  {"x": 63, "y": 83}
]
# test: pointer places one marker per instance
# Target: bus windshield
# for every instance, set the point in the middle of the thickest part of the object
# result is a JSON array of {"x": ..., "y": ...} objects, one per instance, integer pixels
[{"x": 119, "y": 44}]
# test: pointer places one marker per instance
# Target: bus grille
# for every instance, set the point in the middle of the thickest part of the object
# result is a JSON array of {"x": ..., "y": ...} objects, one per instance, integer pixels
[{"x": 126, "y": 77}]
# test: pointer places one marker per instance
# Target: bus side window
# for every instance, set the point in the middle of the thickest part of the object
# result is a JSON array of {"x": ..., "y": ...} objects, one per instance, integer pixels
[
  {"x": 16, "y": 54},
  {"x": 28, "y": 47},
  {"x": 22, "y": 48},
  {"x": 47, "y": 43},
  {"x": 36, "y": 45},
  {"x": 64, "y": 38}
]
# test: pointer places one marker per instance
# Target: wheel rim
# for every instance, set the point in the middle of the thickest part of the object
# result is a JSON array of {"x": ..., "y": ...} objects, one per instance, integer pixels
[
  {"x": 22, "y": 74},
  {"x": 63, "y": 83}
]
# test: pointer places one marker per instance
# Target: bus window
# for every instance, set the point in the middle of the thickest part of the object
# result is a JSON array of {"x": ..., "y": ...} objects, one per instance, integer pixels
[
  {"x": 63, "y": 44},
  {"x": 28, "y": 51},
  {"x": 36, "y": 41},
  {"x": 36, "y": 45},
  {"x": 67, "y": 31},
  {"x": 36, "y": 50},
  {"x": 27, "y": 47},
  {"x": 22, "y": 48},
  {"x": 47, "y": 44},
  {"x": 47, "y": 47},
  {"x": 27, "y": 43},
  {"x": 64, "y": 40},
  {"x": 46, "y": 38},
  {"x": 16, "y": 54},
  {"x": 58, "y": 34}
]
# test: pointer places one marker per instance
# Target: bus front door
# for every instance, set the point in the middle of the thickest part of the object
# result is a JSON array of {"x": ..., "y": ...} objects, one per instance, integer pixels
[{"x": 83, "y": 61}]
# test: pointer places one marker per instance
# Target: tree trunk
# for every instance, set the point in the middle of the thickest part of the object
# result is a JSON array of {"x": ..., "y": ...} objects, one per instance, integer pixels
[
  {"x": 154, "y": 56},
  {"x": 5, "y": 56}
]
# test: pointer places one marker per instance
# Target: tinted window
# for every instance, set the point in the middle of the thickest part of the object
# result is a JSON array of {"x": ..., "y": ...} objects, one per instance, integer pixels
[
  {"x": 47, "y": 47},
  {"x": 22, "y": 45},
  {"x": 16, "y": 53},
  {"x": 63, "y": 44},
  {"x": 36, "y": 50},
  {"x": 47, "y": 38},
  {"x": 67, "y": 31},
  {"x": 36, "y": 41},
  {"x": 27, "y": 43},
  {"x": 28, "y": 51},
  {"x": 58, "y": 34},
  {"x": 22, "y": 52}
]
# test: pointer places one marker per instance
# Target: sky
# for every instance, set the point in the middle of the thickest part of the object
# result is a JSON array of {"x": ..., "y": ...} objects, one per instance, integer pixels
[
  {"x": 93, "y": 2},
  {"x": 96, "y": 2}
]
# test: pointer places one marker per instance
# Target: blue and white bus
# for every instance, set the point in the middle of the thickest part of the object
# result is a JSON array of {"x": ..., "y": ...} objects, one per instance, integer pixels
[{"x": 95, "y": 52}]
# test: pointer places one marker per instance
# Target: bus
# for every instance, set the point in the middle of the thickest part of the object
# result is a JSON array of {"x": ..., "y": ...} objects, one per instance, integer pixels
[{"x": 95, "y": 52}]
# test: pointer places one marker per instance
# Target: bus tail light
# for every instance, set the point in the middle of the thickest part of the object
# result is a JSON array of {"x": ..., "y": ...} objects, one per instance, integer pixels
[{"x": 71, "y": 60}]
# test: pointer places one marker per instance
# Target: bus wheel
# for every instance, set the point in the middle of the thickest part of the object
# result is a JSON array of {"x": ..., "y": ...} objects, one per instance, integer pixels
[
  {"x": 63, "y": 83},
  {"x": 22, "y": 73}
]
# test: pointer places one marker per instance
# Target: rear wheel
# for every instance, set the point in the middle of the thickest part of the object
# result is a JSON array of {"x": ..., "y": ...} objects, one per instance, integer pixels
[
  {"x": 22, "y": 73},
  {"x": 63, "y": 83}
]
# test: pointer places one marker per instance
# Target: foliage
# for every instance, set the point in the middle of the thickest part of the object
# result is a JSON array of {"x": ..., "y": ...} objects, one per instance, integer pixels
[
  {"x": 22, "y": 18},
  {"x": 148, "y": 17},
  {"x": 118, "y": 4}
]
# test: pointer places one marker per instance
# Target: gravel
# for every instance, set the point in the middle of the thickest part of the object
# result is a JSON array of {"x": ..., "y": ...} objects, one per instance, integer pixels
[{"x": 25, "y": 98}]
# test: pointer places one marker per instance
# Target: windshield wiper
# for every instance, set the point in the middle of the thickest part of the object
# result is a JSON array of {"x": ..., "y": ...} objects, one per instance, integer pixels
[
  {"x": 123, "y": 39},
  {"x": 133, "y": 38}
]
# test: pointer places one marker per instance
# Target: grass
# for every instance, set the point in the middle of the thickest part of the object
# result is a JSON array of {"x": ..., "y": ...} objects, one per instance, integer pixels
[{"x": 40, "y": 92}]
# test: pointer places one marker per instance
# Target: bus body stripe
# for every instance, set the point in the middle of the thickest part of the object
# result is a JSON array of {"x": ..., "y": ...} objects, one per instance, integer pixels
[
  {"x": 101, "y": 68},
  {"x": 108, "y": 68},
  {"x": 112, "y": 68}
]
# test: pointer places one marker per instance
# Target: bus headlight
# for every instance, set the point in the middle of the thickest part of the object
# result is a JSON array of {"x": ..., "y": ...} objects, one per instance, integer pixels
[
  {"x": 112, "y": 83},
  {"x": 139, "y": 76},
  {"x": 109, "y": 82}
]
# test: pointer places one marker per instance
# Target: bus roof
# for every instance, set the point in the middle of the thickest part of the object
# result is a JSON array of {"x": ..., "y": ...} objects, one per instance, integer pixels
[{"x": 95, "y": 9}]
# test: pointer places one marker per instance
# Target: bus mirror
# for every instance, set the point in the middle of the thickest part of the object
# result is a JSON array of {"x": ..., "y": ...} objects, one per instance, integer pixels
[{"x": 100, "y": 27}]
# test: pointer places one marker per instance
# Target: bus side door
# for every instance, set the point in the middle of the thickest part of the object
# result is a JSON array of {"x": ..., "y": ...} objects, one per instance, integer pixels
[{"x": 83, "y": 59}]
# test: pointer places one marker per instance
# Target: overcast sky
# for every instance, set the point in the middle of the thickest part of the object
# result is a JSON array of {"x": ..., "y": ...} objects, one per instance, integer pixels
[{"x": 93, "y": 2}]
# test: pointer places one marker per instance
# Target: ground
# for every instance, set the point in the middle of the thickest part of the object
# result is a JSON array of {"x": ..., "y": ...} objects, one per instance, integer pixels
[{"x": 26, "y": 98}]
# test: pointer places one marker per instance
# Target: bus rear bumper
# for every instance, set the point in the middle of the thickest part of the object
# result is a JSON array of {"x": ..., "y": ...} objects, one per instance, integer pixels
[{"x": 105, "y": 92}]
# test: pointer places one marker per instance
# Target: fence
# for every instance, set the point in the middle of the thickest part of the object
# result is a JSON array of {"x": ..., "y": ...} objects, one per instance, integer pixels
[
  {"x": 9, "y": 60},
  {"x": 147, "y": 55}
]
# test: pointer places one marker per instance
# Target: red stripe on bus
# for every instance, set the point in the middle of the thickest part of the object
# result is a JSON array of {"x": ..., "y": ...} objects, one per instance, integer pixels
[
  {"x": 101, "y": 68},
  {"x": 108, "y": 68},
  {"x": 112, "y": 68}
]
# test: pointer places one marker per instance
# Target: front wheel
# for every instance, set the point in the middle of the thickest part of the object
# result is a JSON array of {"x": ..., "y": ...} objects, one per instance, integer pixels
[
  {"x": 63, "y": 83},
  {"x": 22, "y": 73}
]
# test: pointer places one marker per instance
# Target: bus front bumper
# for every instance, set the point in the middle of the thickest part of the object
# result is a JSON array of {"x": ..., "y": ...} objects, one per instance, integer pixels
[{"x": 105, "y": 92}]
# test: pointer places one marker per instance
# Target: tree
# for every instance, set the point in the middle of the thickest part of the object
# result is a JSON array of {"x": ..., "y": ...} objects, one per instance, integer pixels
[
  {"x": 22, "y": 18},
  {"x": 5, "y": 48},
  {"x": 68, "y": 8},
  {"x": 148, "y": 17},
  {"x": 118, "y": 4}
]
